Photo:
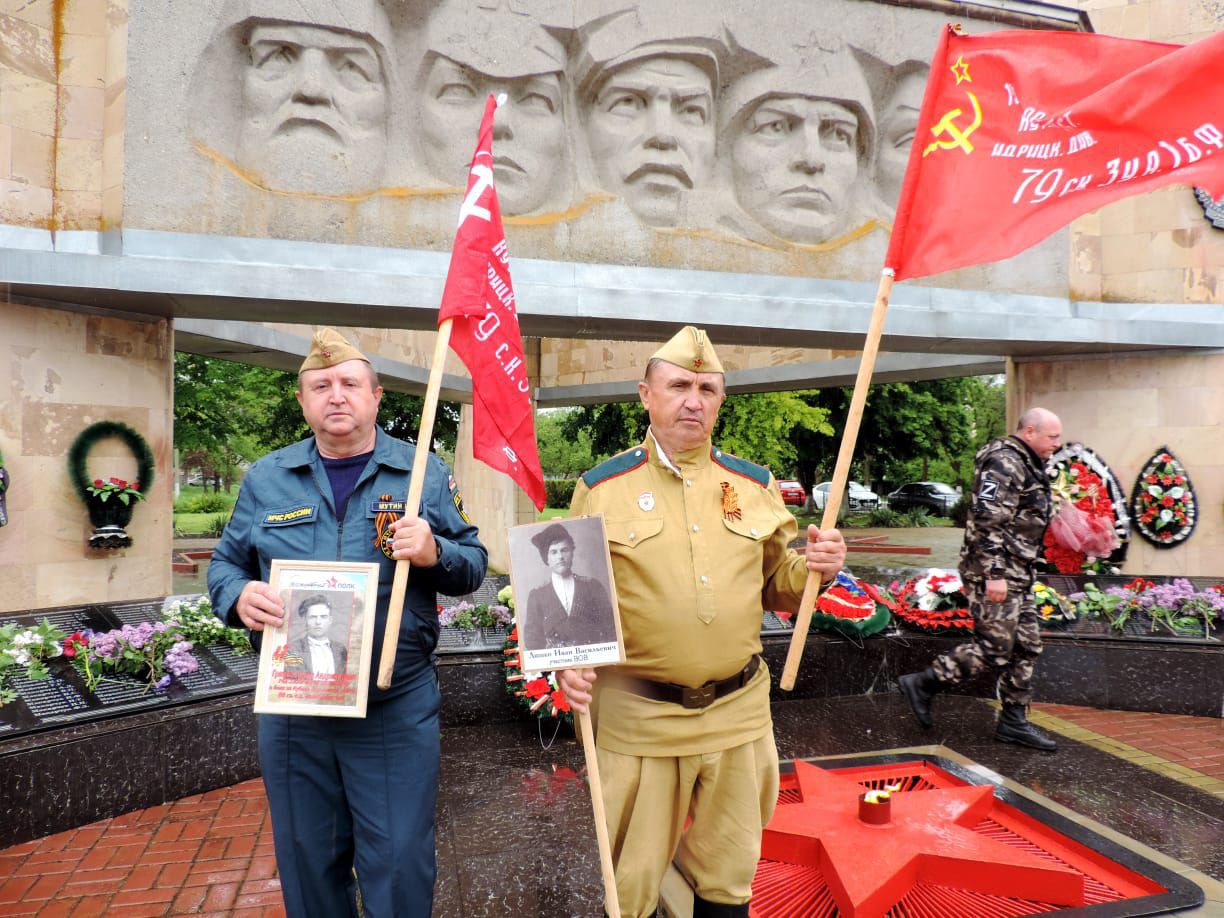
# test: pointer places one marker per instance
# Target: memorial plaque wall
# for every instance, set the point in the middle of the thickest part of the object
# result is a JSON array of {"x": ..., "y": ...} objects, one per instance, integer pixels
[{"x": 64, "y": 699}]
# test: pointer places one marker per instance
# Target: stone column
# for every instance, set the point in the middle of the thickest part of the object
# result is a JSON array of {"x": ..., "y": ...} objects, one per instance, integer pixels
[{"x": 493, "y": 500}]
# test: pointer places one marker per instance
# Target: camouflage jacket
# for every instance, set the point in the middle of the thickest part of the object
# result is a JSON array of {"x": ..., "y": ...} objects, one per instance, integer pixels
[{"x": 1009, "y": 510}]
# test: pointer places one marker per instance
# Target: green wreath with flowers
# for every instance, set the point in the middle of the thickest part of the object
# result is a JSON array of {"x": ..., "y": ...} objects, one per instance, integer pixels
[{"x": 101, "y": 489}]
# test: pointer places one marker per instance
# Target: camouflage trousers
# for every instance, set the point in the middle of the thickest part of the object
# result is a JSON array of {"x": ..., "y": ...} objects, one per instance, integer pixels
[{"x": 1006, "y": 638}]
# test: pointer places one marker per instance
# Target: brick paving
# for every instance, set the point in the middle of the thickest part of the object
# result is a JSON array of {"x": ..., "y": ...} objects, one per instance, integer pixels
[{"x": 211, "y": 854}]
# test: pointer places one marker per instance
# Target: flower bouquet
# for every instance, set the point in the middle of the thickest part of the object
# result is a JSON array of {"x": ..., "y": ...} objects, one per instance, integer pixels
[
  {"x": 468, "y": 616},
  {"x": 198, "y": 624},
  {"x": 935, "y": 601},
  {"x": 1090, "y": 525},
  {"x": 539, "y": 694},
  {"x": 1053, "y": 607},
  {"x": 28, "y": 649},
  {"x": 156, "y": 651}
]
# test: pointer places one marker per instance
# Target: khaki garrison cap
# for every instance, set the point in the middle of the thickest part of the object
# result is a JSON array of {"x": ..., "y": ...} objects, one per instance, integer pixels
[
  {"x": 691, "y": 349},
  {"x": 329, "y": 348}
]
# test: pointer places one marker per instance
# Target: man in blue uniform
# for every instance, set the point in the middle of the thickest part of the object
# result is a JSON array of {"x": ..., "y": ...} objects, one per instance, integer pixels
[{"x": 352, "y": 800}]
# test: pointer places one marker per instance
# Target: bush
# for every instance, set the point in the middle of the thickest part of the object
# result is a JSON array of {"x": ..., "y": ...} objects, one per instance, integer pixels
[
  {"x": 559, "y": 492},
  {"x": 960, "y": 511},
  {"x": 204, "y": 503},
  {"x": 918, "y": 518},
  {"x": 882, "y": 517},
  {"x": 216, "y": 525}
]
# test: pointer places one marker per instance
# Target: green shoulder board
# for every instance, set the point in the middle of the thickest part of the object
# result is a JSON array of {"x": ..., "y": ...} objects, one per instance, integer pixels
[
  {"x": 618, "y": 465},
  {"x": 742, "y": 467}
]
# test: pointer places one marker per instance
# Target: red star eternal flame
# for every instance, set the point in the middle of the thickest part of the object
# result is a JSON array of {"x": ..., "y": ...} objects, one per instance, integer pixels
[{"x": 929, "y": 838}]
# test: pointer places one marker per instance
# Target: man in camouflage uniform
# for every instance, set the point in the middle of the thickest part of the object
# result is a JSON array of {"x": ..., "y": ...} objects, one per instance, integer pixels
[
  {"x": 1010, "y": 510},
  {"x": 700, "y": 545}
]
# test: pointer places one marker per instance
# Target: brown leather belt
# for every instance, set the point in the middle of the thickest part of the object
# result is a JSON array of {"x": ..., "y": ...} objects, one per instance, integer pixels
[{"x": 700, "y": 697}]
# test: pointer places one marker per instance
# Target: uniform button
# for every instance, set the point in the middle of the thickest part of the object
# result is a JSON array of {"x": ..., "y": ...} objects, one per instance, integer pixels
[
  {"x": 689, "y": 482},
  {"x": 719, "y": 454},
  {"x": 696, "y": 528},
  {"x": 754, "y": 532},
  {"x": 705, "y": 579},
  {"x": 632, "y": 536},
  {"x": 638, "y": 453}
]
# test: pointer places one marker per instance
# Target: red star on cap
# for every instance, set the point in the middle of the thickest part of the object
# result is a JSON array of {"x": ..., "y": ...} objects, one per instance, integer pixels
[
  {"x": 929, "y": 839},
  {"x": 327, "y": 354},
  {"x": 697, "y": 361}
]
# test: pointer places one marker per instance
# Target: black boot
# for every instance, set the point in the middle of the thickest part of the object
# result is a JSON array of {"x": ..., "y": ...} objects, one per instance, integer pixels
[
  {"x": 920, "y": 690},
  {"x": 1014, "y": 728},
  {"x": 703, "y": 908}
]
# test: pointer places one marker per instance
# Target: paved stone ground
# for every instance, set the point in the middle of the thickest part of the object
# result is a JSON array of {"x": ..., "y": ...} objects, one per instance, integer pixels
[{"x": 212, "y": 854}]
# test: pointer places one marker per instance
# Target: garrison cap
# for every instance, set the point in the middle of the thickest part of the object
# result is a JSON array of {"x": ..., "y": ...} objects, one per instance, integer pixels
[
  {"x": 550, "y": 535},
  {"x": 691, "y": 349},
  {"x": 329, "y": 348}
]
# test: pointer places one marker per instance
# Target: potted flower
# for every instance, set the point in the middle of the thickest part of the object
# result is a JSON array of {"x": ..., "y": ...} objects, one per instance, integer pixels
[{"x": 110, "y": 504}]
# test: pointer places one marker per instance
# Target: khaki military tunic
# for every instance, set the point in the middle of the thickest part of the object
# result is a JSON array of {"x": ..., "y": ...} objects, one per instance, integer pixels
[{"x": 699, "y": 547}]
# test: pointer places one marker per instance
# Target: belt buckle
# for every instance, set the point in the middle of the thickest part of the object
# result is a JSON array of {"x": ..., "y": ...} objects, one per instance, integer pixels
[{"x": 700, "y": 697}]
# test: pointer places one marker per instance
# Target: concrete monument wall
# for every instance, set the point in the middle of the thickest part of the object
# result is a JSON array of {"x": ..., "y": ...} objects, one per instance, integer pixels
[
  {"x": 61, "y": 372},
  {"x": 1126, "y": 408},
  {"x": 684, "y": 134}
]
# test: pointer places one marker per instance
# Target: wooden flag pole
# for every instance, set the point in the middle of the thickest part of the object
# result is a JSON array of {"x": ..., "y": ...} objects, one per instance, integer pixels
[
  {"x": 611, "y": 903},
  {"x": 399, "y": 586},
  {"x": 841, "y": 475}
]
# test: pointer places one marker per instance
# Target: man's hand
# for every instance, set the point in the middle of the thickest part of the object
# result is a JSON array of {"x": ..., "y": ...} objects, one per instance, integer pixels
[
  {"x": 576, "y": 684},
  {"x": 414, "y": 542},
  {"x": 996, "y": 590},
  {"x": 260, "y": 606},
  {"x": 825, "y": 552}
]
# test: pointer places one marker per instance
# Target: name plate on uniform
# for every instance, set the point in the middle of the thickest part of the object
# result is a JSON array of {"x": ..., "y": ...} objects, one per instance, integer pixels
[{"x": 564, "y": 595}]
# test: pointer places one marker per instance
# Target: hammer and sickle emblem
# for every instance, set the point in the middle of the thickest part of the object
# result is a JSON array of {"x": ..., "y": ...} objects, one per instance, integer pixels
[{"x": 959, "y": 137}]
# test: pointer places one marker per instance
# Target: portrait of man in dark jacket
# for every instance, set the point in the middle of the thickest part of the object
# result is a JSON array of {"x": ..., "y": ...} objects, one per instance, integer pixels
[
  {"x": 568, "y": 610},
  {"x": 316, "y": 651}
]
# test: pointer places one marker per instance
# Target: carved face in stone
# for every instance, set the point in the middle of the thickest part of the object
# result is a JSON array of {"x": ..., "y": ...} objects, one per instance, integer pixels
[
  {"x": 315, "y": 106},
  {"x": 529, "y": 136},
  {"x": 651, "y": 133},
  {"x": 795, "y": 165},
  {"x": 898, "y": 121}
]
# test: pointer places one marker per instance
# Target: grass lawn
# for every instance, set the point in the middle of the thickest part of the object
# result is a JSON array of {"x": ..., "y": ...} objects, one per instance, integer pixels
[
  {"x": 551, "y": 513},
  {"x": 196, "y": 523},
  {"x": 861, "y": 520}
]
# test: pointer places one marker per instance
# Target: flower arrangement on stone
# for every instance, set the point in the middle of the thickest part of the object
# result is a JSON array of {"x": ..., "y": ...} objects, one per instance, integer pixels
[
  {"x": 156, "y": 651},
  {"x": 934, "y": 601},
  {"x": 1163, "y": 501},
  {"x": 468, "y": 616},
  {"x": 537, "y": 694},
  {"x": 28, "y": 649},
  {"x": 1176, "y": 606},
  {"x": 1052, "y": 605},
  {"x": 200, "y": 625}
]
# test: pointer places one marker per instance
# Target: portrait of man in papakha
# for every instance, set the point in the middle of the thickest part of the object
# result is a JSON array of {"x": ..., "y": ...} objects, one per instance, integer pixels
[{"x": 562, "y": 574}]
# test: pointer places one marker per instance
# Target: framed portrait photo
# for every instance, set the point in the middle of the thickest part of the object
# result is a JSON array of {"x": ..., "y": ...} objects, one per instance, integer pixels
[
  {"x": 318, "y": 661},
  {"x": 564, "y": 596}
]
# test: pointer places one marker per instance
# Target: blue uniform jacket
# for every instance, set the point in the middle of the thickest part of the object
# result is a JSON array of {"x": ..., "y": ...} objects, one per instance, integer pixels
[{"x": 285, "y": 510}]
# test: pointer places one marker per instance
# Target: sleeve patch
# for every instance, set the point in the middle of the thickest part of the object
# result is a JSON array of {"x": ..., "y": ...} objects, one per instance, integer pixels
[
  {"x": 989, "y": 488},
  {"x": 458, "y": 499}
]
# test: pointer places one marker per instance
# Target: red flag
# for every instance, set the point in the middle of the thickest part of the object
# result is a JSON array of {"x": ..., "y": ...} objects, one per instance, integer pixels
[
  {"x": 1021, "y": 132},
  {"x": 485, "y": 335}
]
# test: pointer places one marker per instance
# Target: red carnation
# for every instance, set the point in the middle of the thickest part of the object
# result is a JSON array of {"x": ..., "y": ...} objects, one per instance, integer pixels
[
  {"x": 560, "y": 702},
  {"x": 1166, "y": 501},
  {"x": 97, "y": 482}
]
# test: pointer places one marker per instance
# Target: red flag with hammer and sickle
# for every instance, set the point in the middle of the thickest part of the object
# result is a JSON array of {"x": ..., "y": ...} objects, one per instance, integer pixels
[
  {"x": 480, "y": 299},
  {"x": 1022, "y": 132}
]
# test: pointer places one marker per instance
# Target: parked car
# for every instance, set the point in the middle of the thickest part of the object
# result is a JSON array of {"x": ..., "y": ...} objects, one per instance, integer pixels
[
  {"x": 857, "y": 496},
  {"x": 933, "y": 496},
  {"x": 792, "y": 492}
]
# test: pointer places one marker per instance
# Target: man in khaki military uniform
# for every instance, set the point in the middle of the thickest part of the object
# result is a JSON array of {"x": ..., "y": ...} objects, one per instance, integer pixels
[{"x": 700, "y": 545}]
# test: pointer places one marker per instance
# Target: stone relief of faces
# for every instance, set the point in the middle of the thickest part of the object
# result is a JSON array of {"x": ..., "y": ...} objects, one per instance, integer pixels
[
  {"x": 795, "y": 165},
  {"x": 688, "y": 131},
  {"x": 315, "y": 107},
  {"x": 898, "y": 121},
  {"x": 529, "y": 130},
  {"x": 650, "y": 129}
]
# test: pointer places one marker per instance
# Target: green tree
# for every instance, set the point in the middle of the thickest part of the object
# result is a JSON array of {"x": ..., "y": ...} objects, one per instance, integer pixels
[
  {"x": 611, "y": 427},
  {"x": 560, "y": 453},
  {"x": 763, "y": 428}
]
